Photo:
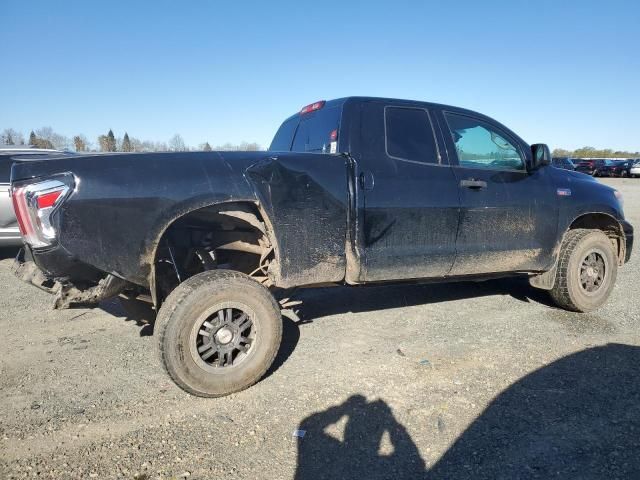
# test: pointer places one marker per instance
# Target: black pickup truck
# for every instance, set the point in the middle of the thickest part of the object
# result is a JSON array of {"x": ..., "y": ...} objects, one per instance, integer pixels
[{"x": 352, "y": 191}]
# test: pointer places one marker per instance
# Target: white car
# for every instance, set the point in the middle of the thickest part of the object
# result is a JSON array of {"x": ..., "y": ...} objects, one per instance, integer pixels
[{"x": 634, "y": 171}]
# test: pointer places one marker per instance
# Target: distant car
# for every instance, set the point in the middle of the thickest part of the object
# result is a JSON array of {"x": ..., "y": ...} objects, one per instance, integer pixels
[
  {"x": 591, "y": 167},
  {"x": 634, "y": 171},
  {"x": 621, "y": 168},
  {"x": 564, "y": 163},
  {"x": 9, "y": 231}
]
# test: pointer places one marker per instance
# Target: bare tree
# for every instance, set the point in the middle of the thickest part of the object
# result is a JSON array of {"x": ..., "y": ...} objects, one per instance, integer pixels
[
  {"x": 176, "y": 144},
  {"x": 9, "y": 136},
  {"x": 52, "y": 139},
  {"x": 243, "y": 147},
  {"x": 81, "y": 143},
  {"x": 205, "y": 147}
]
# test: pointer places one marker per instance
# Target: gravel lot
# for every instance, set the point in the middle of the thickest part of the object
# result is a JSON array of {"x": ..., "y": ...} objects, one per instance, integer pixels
[{"x": 457, "y": 381}]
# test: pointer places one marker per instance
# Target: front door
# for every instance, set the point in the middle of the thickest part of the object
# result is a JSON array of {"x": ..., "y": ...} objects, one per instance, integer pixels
[{"x": 509, "y": 216}]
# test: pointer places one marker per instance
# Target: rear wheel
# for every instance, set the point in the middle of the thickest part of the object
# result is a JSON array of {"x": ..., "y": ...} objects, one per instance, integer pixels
[
  {"x": 219, "y": 332},
  {"x": 587, "y": 270}
]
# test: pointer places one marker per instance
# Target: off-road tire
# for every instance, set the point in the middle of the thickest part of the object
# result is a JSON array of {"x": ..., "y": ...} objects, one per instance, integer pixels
[
  {"x": 568, "y": 292},
  {"x": 192, "y": 299},
  {"x": 137, "y": 310}
]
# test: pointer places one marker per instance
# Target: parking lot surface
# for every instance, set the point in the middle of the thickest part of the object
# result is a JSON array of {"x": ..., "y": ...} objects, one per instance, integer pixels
[{"x": 459, "y": 380}]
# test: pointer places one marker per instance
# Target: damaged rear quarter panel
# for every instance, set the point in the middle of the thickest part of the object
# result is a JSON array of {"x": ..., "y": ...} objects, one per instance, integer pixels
[
  {"x": 123, "y": 203},
  {"x": 305, "y": 197}
]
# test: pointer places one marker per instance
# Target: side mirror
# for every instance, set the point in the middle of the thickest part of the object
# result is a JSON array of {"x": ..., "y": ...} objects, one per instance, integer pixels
[{"x": 540, "y": 156}]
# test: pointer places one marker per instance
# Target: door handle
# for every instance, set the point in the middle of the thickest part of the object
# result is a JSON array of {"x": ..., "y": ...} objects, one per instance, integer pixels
[{"x": 473, "y": 183}]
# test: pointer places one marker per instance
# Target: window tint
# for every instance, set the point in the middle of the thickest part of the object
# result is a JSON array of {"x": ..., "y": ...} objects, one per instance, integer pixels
[
  {"x": 409, "y": 135},
  {"x": 316, "y": 131},
  {"x": 284, "y": 136},
  {"x": 480, "y": 145}
]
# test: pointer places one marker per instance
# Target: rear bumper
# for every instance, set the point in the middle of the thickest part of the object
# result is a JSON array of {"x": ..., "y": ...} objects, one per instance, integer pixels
[
  {"x": 67, "y": 294},
  {"x": 628, "y": 233}
]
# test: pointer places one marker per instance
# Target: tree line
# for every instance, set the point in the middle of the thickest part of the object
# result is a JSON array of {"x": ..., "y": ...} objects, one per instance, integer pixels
[
  {"x": 590, "y": 152},
  {"x": 46, "y": 137}
]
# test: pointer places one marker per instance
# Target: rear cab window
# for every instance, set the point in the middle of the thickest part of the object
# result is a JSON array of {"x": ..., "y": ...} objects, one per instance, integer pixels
[
  {"x": 409, "y": 135},
  {"x": 313, "y": 132},
  {"x": 284, "y": 136}
]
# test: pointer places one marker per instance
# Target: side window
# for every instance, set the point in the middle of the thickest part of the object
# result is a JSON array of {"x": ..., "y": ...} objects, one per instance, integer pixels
[
  {"x": 480, "y": 145},
  {"x": 410, "y": 135}
]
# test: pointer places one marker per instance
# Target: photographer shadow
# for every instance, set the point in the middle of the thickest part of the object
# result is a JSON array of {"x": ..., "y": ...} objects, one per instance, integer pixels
[{"x": 576, "y": 418}]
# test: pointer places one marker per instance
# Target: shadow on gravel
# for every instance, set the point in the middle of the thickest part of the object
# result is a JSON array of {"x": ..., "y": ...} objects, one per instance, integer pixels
[
  {"x": 324, "y": 456},
  {"x": 290, "y": 337},
  {"x": 321, "y": 302},
  {"x": 578, "y": 417},
  {"x": 143, "y": 318}
]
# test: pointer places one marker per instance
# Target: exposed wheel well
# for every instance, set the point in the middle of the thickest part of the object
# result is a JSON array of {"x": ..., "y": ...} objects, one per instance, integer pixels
[
  {"x": 609, "y": 225},
  {"x": 228, "y": 236}
]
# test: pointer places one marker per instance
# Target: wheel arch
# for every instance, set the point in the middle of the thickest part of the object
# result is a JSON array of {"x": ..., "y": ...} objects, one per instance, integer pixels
[
  {"x": 251, "y": 212},
  {"x": 606, "y": 223},
  {"x": 587, "y": 220}
]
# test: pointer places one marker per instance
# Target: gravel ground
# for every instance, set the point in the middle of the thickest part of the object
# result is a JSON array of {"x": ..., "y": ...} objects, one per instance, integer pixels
[{"x": 461, "y": 380}]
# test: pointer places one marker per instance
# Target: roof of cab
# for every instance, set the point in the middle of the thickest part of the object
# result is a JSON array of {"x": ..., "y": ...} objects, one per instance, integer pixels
[{"x": 398, "y": 101}]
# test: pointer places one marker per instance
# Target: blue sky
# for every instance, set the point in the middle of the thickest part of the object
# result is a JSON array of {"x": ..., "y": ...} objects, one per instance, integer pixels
[{"x": 565, "y": 73}]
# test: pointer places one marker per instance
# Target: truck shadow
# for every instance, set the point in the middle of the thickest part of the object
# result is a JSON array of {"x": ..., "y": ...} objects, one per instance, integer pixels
[
  {"x": 321, "y": 302},
  {"x": 578, "y": 417}
]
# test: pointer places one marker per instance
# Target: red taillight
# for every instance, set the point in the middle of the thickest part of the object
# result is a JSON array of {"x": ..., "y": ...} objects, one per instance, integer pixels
[
  {"x": 47, "y": 200},
  {"x": 34, "y": 204},
  {"x": 20, "y": 208},
  {"x": 312, "y": 107},
  {"x": 333, "y": 135}
]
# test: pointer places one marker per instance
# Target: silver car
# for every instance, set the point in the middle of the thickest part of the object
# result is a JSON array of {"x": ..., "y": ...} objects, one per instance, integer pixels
[{"x": 9, "y": 231}]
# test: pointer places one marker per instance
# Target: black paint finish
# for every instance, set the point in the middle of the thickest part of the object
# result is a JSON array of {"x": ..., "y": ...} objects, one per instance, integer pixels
[{"x": 358, "y": 215}]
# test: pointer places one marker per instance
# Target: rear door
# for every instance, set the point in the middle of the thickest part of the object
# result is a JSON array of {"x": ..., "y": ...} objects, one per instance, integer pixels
[
  {"x": 509, "y": 216},
  {"x": 410, "y": 210}
]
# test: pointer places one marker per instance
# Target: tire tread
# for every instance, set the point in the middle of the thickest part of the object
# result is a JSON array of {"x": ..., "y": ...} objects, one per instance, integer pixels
[{"x": 177, "y": 297}]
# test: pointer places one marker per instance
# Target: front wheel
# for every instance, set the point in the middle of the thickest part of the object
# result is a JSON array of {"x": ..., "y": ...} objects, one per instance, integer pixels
[
  {"x": 219, "y": 332},
  {"x": 586, "y": 272}
]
